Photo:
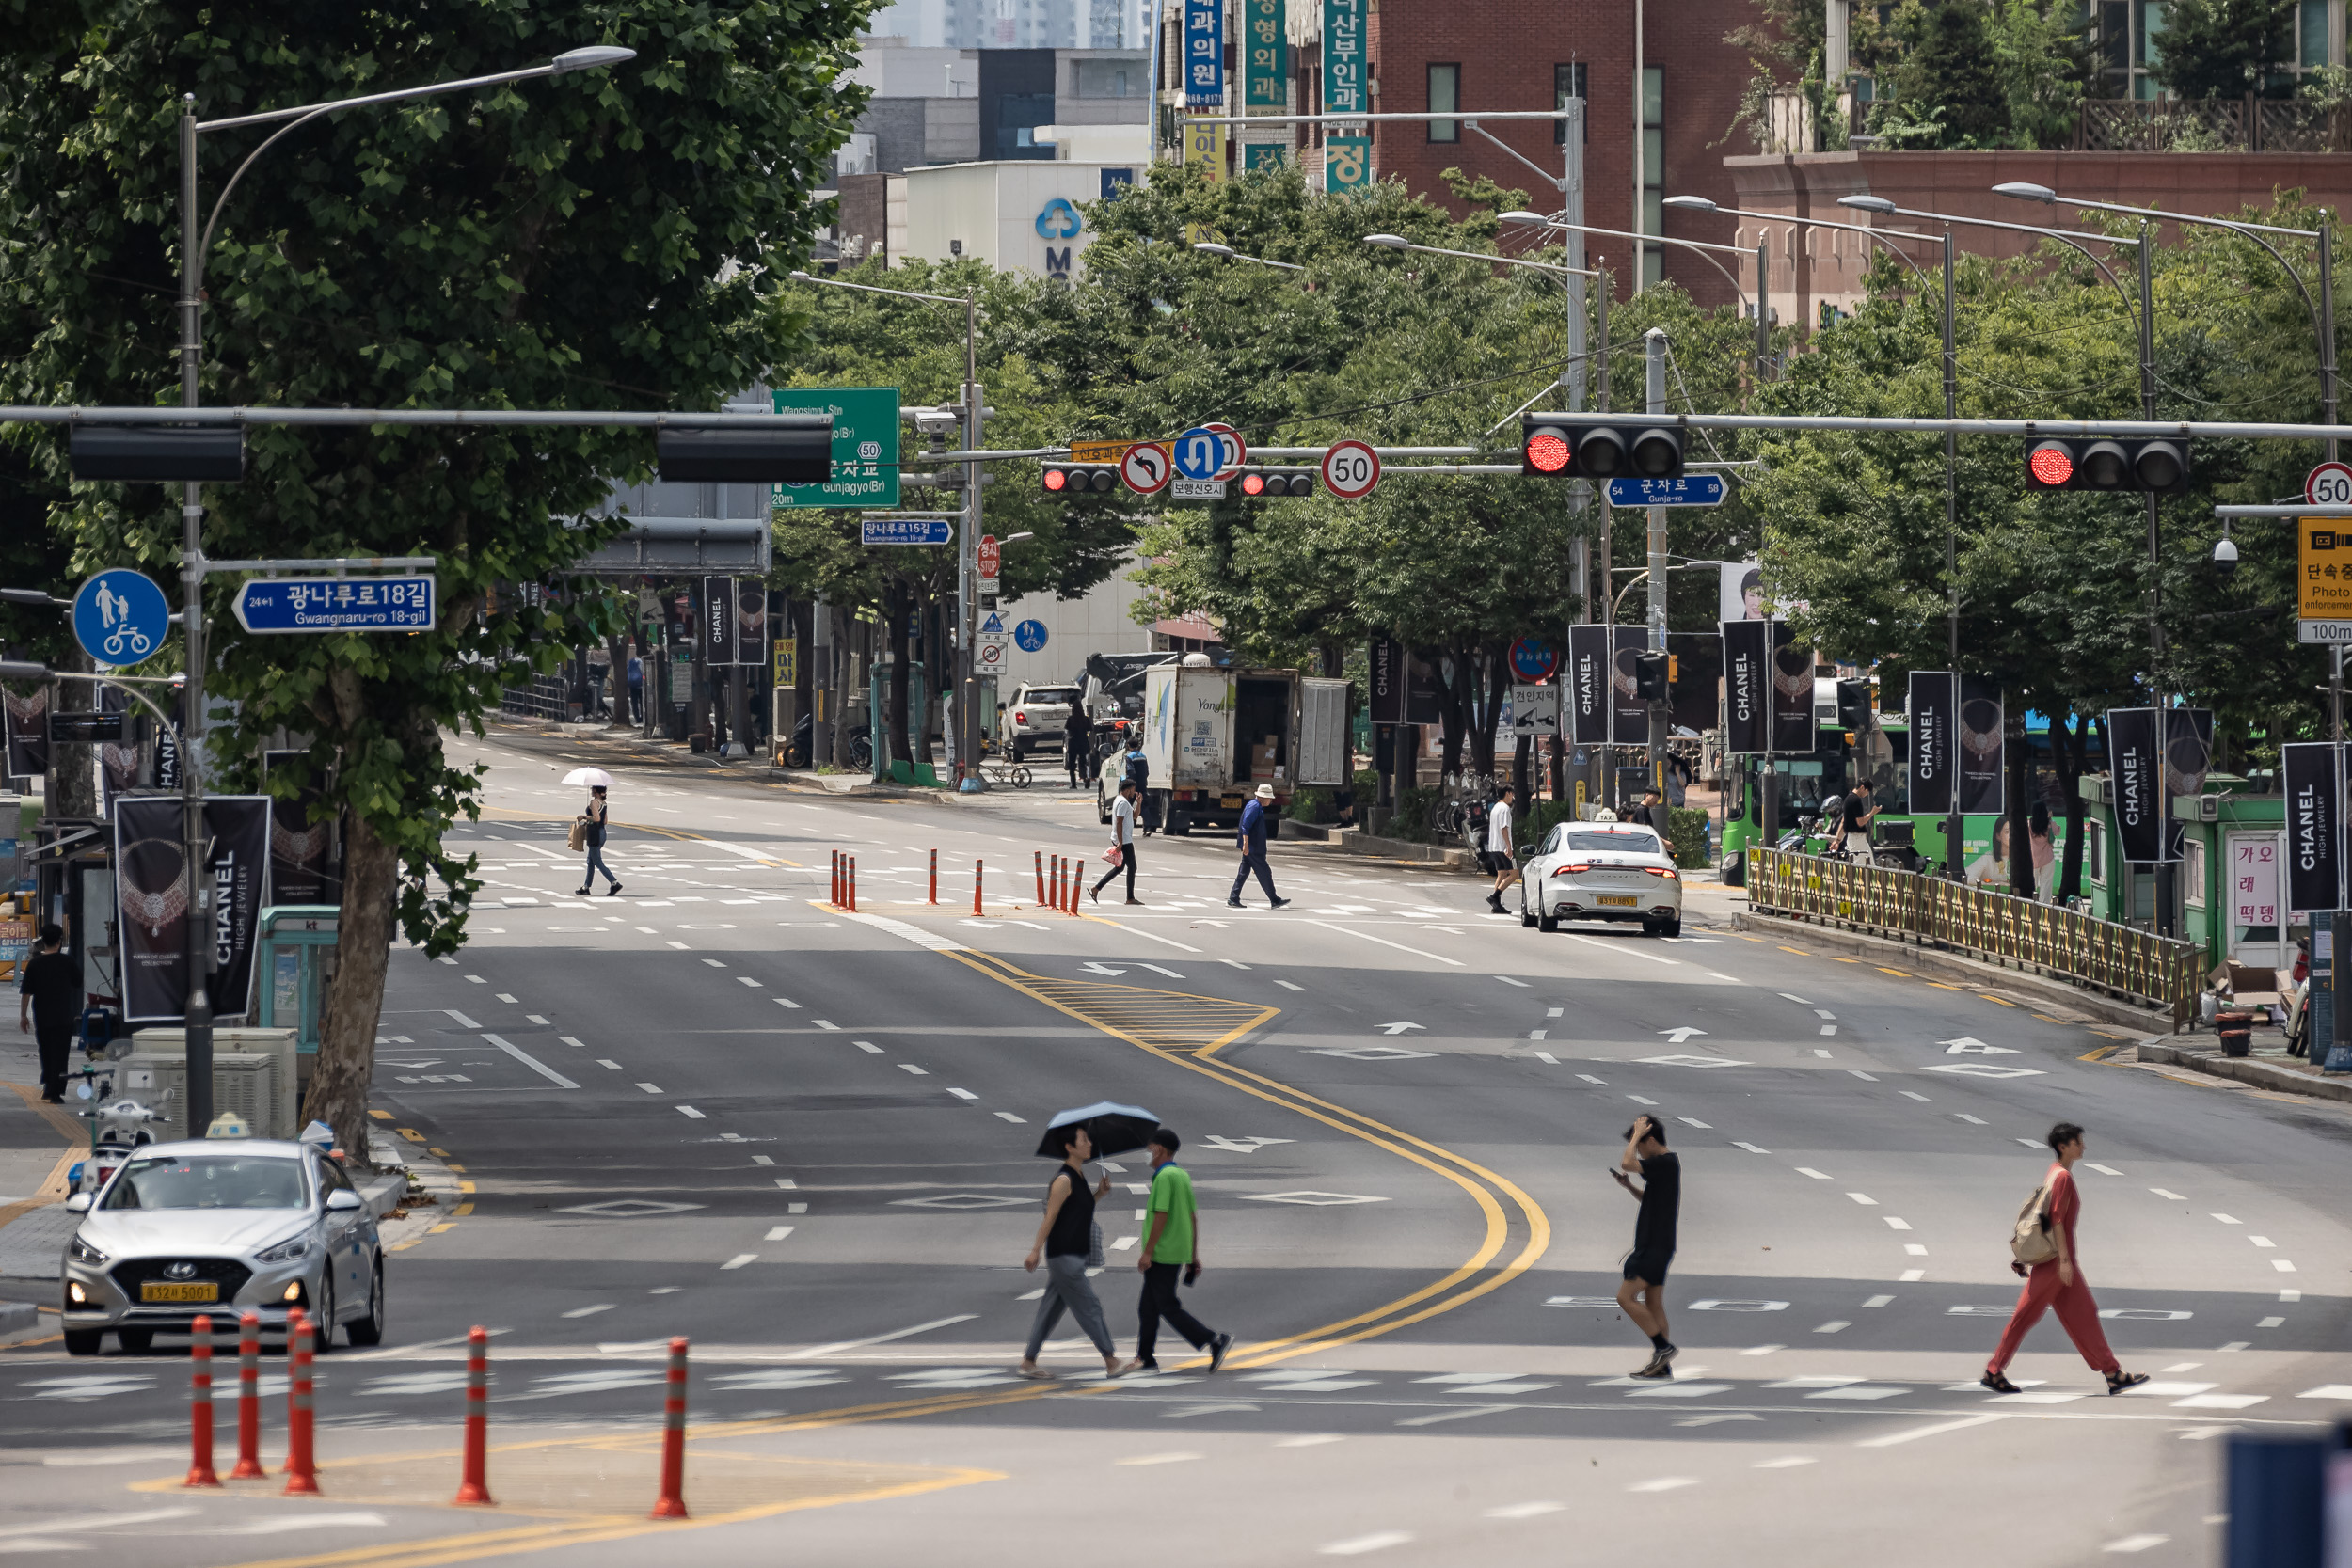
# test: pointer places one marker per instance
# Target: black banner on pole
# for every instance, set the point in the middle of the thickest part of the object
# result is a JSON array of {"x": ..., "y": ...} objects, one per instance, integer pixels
[
  {"x": 1934, "y": 704},
  {"x": 1747, "y": 687},
  {"x": 1794, "y": 717},
  {"x": 151, "y": 900},
  {"x": 1588, "y": 685},
  {"x": 2132, "y": 771},
  {"x": 2311, "y": 771},
  {"x": 1387, "y": 664},
  {"x": 751, "y": 620},
  {"x": 305, "y": 858},
  {"x": 1983, "y": 746},
  {"x": 2187, "y": 758},
  {"x": 1630, "y": 713},
  {"x": 717, "y": 610},
  {"x": 28, "y": 733}
]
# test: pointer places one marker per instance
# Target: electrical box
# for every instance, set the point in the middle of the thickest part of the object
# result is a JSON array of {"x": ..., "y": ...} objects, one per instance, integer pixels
[
  {"x": 277, "y": 1116},
  {"x": 243, "y": 1081}
]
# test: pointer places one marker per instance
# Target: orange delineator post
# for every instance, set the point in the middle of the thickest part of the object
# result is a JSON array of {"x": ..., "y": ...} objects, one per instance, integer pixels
[
  {"x": 853, "y": 884},
  {"x": 1056, "y": 901},
  {"x": 835, "y": 897},
  {"x": 1077, "y": 880},
  {"x": 975, "y": 889},
  {"x": 200, "y": 1471},
  {"x": 302, "y": 1470},
  {"x": 934, "y": 876},
  {"x": 475, "y": 1487},
  {"x": 672, "y": 1503},
  {"x": 248, "y": 1466},
  {"x": 1040, "y": 854}
]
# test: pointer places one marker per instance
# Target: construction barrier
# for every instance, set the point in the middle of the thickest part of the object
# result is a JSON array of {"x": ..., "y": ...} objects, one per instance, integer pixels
[
  {"x": 302, "y": 1471},
  {"x": 200, "y": 1405},
  {"x": 475, "y": 1487},
  {"x": 671, "y": 1504},
  {"x": 248, "y": 1467}
]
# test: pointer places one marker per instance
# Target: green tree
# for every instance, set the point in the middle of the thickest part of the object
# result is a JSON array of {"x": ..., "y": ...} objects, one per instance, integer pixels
[
  {"x": 2226, "y": 48},
  {"x": 588, "y": 241},
  {"x": 1949, "y": 74}
]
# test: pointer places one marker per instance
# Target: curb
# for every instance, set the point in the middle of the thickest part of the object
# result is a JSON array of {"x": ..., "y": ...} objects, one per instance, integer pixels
[
  {"x": 2055, "y": 994},
  {"x": 2247, "y": 1070}
]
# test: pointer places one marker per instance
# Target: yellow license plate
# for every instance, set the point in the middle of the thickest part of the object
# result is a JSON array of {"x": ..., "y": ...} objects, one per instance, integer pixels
[
  {"x": 1231, "y": 801},
  {"x": 202, "y": 1291},
  {"x": 1618, "y": 900}
]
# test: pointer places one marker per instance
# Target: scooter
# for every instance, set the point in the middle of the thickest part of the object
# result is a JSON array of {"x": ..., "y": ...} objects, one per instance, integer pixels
[{"x": 121, "y": 1126}]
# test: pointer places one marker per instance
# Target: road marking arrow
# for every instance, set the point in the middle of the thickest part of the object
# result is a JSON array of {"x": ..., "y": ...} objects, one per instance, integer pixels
[
  {"x": 1396, "y": 1028},
  {"x": 1968, "y": 1045},
  {"x": 1101, "y": 969},
  {"x": 1679, "y": 1036}
]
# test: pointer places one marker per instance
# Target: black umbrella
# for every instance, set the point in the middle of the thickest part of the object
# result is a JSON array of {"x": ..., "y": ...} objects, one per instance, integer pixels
[{"x": 1114, "y": 1128}]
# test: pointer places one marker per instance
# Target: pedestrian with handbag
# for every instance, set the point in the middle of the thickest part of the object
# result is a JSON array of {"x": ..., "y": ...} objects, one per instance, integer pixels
[
  {"x": 589, "y": 830},
  {"x": 1071, "y": 1241},
  {"x": 2041, "y": 1248},
  {"x": 1122, "y": 842}
]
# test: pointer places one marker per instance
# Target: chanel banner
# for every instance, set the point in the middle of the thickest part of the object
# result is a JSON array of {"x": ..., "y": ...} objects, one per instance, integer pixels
[
  {"x": 152, "y": 899},
  {"x": 1747, "y": 700},
  {"x": 1934, "y": 706},
  {"x": 1792, "y": 694},
  {"x": 28, "y": 733},
  {"x": 2314, "y": 801},
  {"x": 1588, "y": 685},
  {"x": 1981, "y": 734},
  {"x": 1632, "y": 713},
  {"x": 751, "y": 620},
  {"x": 2132, "y": 767},
  {"x": 1387, "y": 681},
  {"x": 305, "y": 861},
  {"x": 717, "y": 610}
]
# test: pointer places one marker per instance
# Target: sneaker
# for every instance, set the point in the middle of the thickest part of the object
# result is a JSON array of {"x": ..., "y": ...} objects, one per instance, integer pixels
[
  {"x": 1233, "y": 903},
  {"x": 1670, "y": 1350},
  {"x": 2117, "y": 1382},
  {"x": 612, "y": 891},
  {"x": 2001, "y": 1385},
  {"x": 1217, "y": 1347},
  {"x": 1281, "y": 903},
  {"x": 582, "y": 893},
  {"x": 1657, "y": 1369}
]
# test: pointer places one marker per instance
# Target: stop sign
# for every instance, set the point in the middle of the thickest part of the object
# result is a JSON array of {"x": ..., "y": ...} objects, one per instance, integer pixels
[{"x": 992, "y": 556}]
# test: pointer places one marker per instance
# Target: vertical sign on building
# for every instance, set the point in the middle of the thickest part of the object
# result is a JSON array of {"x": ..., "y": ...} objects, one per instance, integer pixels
[
  {"x": 1983, "y": 746},
  {"x": 1205, "y": 144},
  {"x": 1346, "y": 160},
  {"x": 1204, "y": 54},
  {"x": 718, "y": 620},
  {"x": 2315, "y": 807},
  {"x": 1935, "y": 710},
  {"x": 2131, "y": 768},
  {"x": 1265, "y": 56},
  {"x": 1747, "y": 702},
  {"x": 1588, "y": 685}
]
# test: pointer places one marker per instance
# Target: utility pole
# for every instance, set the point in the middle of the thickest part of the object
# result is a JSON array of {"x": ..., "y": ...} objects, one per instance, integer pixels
[
  {"x": 195, "y": 850},
  {"x": 966, "y": 709},
  {"x": 1654, "y": 343},
  {"x": 1574, "y": 375},
  {"x": 1954, "y": 860},
  {"x": 1606, "y": 574}
]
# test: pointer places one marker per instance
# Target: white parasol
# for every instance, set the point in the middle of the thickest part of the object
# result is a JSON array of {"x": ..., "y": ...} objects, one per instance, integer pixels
[{"x": 589, "y": 776}]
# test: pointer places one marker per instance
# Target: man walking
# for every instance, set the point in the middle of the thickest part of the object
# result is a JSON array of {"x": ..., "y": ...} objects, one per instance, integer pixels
[
  {"x": 1651, "y": 812},
  {"x": 1643, "y": 1294},
  {"x": 1074, "y": 731},
  {"x": 1251, "y": 840},
  {"x": 1173, "y": 1244},
  {"x": 48, "y": 1004},
  {"x": 1498, "y": 852},
  {"x": 1124, "y": 835}
]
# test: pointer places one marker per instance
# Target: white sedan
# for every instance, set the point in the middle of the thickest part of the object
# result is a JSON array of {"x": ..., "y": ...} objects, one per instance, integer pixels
[{"x": 1601, "y": 871}]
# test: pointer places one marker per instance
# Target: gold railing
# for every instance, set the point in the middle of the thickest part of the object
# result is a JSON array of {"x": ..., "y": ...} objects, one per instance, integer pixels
[{"x": 2141, "y": 965}]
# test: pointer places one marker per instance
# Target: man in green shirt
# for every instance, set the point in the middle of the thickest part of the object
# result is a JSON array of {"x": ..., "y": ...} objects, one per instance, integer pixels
[{"x": 1173, "y": 1244}]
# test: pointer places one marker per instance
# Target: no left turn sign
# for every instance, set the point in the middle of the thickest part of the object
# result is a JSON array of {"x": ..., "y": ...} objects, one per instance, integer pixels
[
  {"x": 1350, "y": 469},
  {"x": 1146, "y": 469}
]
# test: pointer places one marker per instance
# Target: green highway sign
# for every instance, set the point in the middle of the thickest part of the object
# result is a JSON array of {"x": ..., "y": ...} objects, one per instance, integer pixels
[{"x": 865, "y": 445}]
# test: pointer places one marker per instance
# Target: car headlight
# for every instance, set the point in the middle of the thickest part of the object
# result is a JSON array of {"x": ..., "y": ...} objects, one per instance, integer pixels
[
  {"x": 82, "y": 1252},
  {"x": 286, "y": 1251}
]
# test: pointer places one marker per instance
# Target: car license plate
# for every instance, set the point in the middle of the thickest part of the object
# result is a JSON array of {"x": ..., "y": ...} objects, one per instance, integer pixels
[
  {"x": 1618, "y": 900},
  {"x": 205, "y": 1290},
  {"x": 1231, "y": 801}
]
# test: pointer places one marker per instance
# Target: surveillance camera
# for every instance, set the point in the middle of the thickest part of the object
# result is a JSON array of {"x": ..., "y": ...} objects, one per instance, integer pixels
[
  {"x": 938, "y": 421},
  {"x": 2225, "y": 556}
]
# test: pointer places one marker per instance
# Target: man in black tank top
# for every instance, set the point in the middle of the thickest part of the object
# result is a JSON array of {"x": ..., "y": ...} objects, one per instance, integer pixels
[
  {"x": 1643, "y": 1294},
  {"x": 1065, "y": 1238}
]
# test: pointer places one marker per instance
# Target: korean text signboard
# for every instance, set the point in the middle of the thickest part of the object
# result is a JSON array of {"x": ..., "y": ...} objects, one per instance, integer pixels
[
  {"x": 1204, "y": 54},
  {"x": 2253, "y": 879},
  {"x": 1265, "y": 56},
  {"x": 865, "y": 445},
  {"x": 335, "y": 604},
  {"x": 1344, "y": 55}
]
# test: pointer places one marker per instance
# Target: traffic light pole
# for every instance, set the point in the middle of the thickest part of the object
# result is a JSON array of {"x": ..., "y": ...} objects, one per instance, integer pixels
[
  {"x": 1654, "y": 352},
  {"x": 1953, "y": 855},
  {"x": 197, "y": 1018},
  {"x": 967, "y": 758}
]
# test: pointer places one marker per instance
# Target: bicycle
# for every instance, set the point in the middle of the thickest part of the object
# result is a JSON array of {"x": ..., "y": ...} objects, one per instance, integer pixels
[{"x": 997, "y": 771}]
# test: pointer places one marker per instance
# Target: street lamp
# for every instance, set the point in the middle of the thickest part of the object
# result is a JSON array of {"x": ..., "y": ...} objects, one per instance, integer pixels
[
  {"x": 968, "y": 775},
  {"x": 1763, "y": 324},
  {"x": 193, "y": 248},
  {"x": 1210, "y": 248},
  {"x": 1882, "y": 237},
  {"x": 1559, "y": 275}
]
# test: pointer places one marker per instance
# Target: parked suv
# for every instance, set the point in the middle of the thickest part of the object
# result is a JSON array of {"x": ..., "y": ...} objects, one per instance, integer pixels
[{"x": 1035, "y": 718}]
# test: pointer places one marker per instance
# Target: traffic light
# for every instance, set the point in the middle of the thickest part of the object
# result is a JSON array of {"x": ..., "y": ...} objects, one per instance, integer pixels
[
  {"x": 1553, "y": 448},
  {"x": 1279, "y": 481},
  {"x": 1653, "y": 677},
  {"x": 1078, "y": 478},
  {"x": 798, "y": 454},
  {"x": 2160, "y": 465},
  {"x": 1853, "y": 707},
  {"x": 205, "y": 453}
]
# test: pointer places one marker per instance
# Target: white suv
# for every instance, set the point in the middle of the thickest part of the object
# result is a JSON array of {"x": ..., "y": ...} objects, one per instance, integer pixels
[{"x": 1034, "y": 717}]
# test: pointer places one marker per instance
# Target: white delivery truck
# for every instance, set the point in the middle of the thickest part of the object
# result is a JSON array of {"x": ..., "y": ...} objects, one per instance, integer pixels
[{"x": 1211, "y": 737}]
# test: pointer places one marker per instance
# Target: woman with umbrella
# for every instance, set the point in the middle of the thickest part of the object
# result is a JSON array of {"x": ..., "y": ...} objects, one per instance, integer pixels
[
  {"x": 1067, "y": 1237},
  {"x": 591, "y": 827}
]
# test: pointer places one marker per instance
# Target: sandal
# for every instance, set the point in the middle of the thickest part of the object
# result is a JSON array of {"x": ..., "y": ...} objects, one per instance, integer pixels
[
  {"x": 2117, "y": 1382},
  {"x": 2000, "y": 1384},
  {"x": 1035, "y": 1374}
]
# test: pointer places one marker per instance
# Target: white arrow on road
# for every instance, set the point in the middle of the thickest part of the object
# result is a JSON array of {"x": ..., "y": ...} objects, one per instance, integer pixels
[
  {"x": 1396, "y": 1028},
  {"x": 1101, "y": 969},
  {"x": 1968, "y": 1045},
  {"x": 1679, "y": 1036}
]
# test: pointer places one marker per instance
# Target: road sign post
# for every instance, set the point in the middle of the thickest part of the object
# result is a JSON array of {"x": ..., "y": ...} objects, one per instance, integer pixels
[
  {"x": 119, "y": 617},
  {"x": 265, "y": 606},
  {"x": 906, "y": 530},
  {"x": 1146, "y": 467}
]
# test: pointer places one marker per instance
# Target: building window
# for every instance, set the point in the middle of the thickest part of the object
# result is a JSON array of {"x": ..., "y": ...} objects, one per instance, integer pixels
[
  {"x": 2095, "y": 850},
  {"x": 1653, "y": 171},
  {"x": 1110, "y": 78},
  {"x": 2193, "y": 873},
  {"x": 1567, "y": 81},
  {"x": 1445, "y": 93}
]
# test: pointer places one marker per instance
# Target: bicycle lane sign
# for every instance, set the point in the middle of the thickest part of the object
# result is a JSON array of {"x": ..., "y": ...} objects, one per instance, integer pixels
[{"x": 119, "y": 617}]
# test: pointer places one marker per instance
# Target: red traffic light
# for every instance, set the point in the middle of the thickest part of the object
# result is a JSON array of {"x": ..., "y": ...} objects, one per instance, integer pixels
[
  {"x": 1548, "y": 451},
  {"x": 1056, "y": 479},
  {"x": 2051, "y": 464},
  {"x": 1253, "y": 485}
]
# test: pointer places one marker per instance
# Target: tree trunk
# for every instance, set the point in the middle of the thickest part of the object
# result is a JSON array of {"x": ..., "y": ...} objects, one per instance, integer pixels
[
  {"x": 355, "y": 998},
  {"x": 838, "y": 681},
  {"x": 2067, "y": 744},
  {"x": 2017, "y": 758}
]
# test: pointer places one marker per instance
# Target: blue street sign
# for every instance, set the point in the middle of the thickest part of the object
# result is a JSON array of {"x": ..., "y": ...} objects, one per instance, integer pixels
[
  {"x": 403, "y": 603},
  {"x": 1533, "y": 659},
  {"x": 1199, "y": 453},
  {"x": 1682, "y": 490},
  {"x": 119, "y": 617},
  {"x": 1030, "y": 634},
  {"x": 905, "y": 531}
]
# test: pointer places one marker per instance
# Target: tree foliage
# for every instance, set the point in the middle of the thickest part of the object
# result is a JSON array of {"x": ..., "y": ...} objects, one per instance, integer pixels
[{"x": 2226, "y": 48}]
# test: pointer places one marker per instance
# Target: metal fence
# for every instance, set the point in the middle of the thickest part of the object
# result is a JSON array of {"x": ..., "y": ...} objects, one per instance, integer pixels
[
  {"x": 2123, "y": 960},
  {"x": 541, "y": 697}
]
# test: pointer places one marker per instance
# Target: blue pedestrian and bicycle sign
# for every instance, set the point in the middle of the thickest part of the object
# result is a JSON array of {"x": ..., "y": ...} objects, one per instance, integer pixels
[
  {"x": 1681, "y": 490},
  {"x": 905, "y": 531},
  {"x": 403, "y": 603},
  {"x": 119, "y": 617},
  {"x": 1030, "y": 634}
]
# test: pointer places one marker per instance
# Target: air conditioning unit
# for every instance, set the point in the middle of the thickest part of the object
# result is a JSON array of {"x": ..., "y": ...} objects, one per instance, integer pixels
[
  {"x": 279, "y": 1119},
  {"x": 243, "y": 1081}
]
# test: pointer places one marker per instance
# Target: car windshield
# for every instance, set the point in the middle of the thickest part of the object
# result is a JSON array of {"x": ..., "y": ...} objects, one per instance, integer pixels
[
  {"x": 208, "y": 1181},
  {"x": 1621, "y": 841},
  {"x": 1050, "y": 694}
]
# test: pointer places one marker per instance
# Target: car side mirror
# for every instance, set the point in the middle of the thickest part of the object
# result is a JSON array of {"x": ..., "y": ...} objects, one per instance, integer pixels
[
  {"x": 78, "y": 1204},
  {"x": 344, "y": 1198}
]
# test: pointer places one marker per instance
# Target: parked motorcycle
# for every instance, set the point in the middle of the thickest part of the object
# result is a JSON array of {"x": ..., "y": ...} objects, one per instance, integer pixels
[{"x": 120, "y": 1127}]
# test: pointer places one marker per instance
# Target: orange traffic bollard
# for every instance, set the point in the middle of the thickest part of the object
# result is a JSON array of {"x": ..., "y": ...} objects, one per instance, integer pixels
[
  {"x": 302, "y": 1470},
  {"x": 975, "y": 889},
  {"x": 1078, "y": 879},
  {"x": 200, "y": 1404},
  {"x": 934, "y": 876},
  {"x": 1041, "y": 876},
  {"x": 853, "y": 884},
  {"x": 248, "y": 1467},
  {"x": 475, "y": 1485},
  {"x": 834, "y": 897},
  {"x": 672, "y": 1503}
]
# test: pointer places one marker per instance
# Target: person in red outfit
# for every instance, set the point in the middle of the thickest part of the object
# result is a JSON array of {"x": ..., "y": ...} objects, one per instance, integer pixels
[{"x": 2060, "y": 1283}]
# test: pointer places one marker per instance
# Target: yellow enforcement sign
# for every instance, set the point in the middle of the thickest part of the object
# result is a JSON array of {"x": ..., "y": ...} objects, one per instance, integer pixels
[
  {"x": 1098, "y": 451},
  {"x": 2324, "y": 562}
]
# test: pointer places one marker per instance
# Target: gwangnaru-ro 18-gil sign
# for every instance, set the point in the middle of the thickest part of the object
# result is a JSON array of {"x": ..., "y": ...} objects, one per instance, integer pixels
[{"x": 403, "y": 603}]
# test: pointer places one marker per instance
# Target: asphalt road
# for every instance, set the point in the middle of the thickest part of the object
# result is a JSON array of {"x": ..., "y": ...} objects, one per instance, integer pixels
[{"x": 718, "y": 1107}]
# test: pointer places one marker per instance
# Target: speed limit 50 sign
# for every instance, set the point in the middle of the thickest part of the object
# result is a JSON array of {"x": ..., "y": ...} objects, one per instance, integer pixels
[
  {"x": 2329, "y": 485},
  {"x": 1350, "y": 469}
]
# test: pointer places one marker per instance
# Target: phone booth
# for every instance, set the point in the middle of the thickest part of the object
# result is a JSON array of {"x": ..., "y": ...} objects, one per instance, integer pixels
[{"x": 297, "y": 943}]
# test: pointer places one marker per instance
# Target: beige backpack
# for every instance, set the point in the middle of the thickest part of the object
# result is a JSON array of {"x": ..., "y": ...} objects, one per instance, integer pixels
[{"x": 2032, "y": 1239}]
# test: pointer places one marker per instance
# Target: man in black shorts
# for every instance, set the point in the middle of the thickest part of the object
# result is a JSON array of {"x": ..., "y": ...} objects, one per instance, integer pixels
[{"x": 1643, "y": 1294}]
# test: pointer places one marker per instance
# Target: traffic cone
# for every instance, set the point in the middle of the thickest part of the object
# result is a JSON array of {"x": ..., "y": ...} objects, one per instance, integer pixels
[{"x": 475, "y": 1487}]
